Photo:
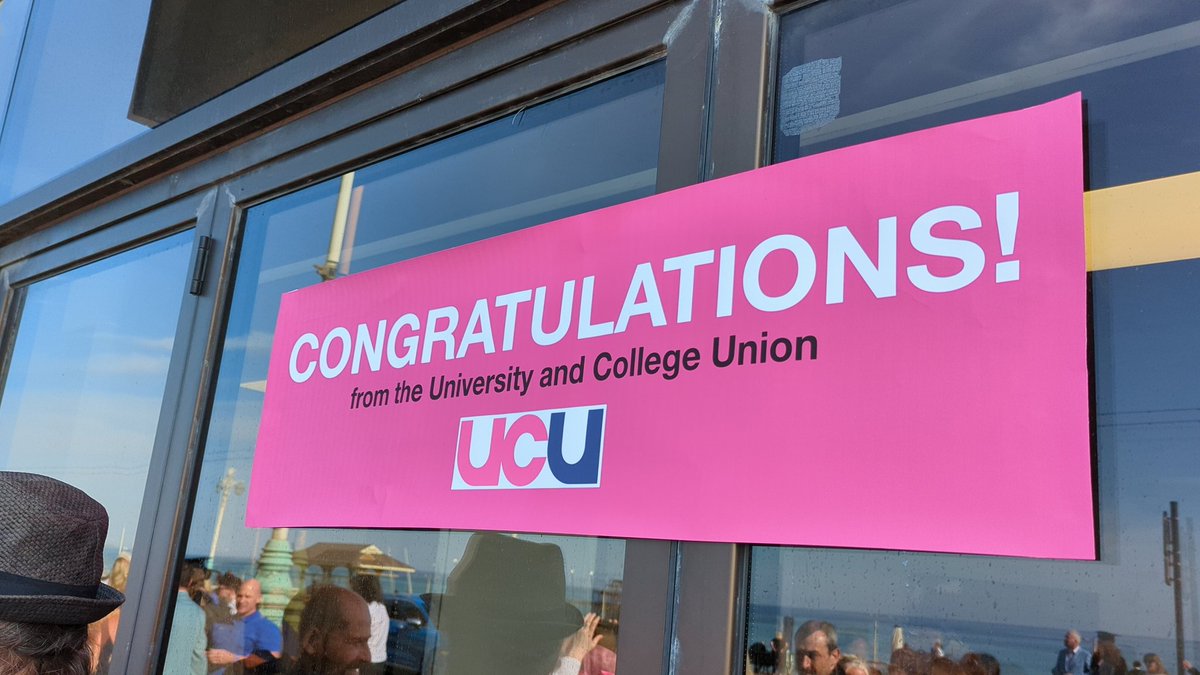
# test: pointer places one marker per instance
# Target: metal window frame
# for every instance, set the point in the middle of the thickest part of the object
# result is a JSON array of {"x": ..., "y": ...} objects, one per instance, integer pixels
[
  {"x": 562, "y": 48},
  {"x": 36, "y": 260},
  {"x": 411, "y": 75},
  {"x": 396, "y": 38},
  {"x": 713, "y": 579}
]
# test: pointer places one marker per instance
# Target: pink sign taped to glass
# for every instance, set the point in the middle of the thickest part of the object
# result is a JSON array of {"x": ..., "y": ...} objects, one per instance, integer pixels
[{"x": 882, "y": 346}]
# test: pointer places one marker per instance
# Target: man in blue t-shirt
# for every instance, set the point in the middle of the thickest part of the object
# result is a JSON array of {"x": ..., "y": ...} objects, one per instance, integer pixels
[{"x": 249, "y": 641}]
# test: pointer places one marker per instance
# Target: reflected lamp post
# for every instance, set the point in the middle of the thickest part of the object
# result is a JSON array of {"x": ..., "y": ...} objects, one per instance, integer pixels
[
  {"x": 226, "y": 486},
  {"x": 276, "y": 562}
]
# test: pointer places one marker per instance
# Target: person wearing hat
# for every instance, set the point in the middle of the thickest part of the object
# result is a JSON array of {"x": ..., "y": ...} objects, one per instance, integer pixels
[
  {"x": 51, "y": 560},
  {"x": 505, "y": 610},
  {"x": 1106, "y": 657}
]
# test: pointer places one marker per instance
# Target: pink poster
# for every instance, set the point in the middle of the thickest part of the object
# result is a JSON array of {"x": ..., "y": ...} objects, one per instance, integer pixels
[{"x": 882, "y": 346}]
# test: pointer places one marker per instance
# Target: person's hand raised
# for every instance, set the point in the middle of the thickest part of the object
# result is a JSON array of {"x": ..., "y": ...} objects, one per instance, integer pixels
[{"x": 578, "y": 644}]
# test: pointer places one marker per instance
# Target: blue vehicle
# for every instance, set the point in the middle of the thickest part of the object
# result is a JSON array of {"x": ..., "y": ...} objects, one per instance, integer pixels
[{"x": 410, "y": 634}]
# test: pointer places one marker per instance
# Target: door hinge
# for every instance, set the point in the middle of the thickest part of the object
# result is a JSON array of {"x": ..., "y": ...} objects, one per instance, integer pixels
[{"x": 200, "y": 264}]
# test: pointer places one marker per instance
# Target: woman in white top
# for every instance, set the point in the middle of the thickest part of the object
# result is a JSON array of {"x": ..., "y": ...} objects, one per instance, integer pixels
[{"x": 367, "y": 585}]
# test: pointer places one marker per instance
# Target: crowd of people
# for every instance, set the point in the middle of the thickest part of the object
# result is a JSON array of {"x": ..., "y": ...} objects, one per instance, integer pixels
[
  {"x": 346, "y": 629},
  {"x": 337, "y": 631},
  {"x": 817, "y": 652},
  {"x": 1105, "y": 658},
  {"x": 504, "y": 611}
]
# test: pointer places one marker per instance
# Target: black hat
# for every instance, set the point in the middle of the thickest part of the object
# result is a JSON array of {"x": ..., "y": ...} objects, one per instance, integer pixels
[
  {"x": 507, "y": 583},
  {"x": 51, "y": 553}
]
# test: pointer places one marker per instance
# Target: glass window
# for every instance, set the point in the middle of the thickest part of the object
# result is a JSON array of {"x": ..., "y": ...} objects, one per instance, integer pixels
[
  {"x": 14, "y": 18},
  {"x": 857, "y": 70},
  {"x": 589, "y": 149},
  {"x": 1018, "y": 611},
  {"x": 70, "y": 87},
  {"x": 85, "y": 383},
  {"x": 852, "y": 71}
]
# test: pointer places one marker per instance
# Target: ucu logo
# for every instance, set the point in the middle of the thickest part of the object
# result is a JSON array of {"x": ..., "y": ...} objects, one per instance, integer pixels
[{"x": 559, "y": 448}]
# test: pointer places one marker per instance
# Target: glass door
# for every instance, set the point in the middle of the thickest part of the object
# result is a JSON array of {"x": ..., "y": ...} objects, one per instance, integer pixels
[
  {"x": 440, "y": 601},
  {"x": 87, "y": 371}
]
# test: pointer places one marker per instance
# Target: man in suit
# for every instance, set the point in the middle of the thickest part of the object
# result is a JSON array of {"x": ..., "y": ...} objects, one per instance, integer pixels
[{"x": 1072, "y": 659}]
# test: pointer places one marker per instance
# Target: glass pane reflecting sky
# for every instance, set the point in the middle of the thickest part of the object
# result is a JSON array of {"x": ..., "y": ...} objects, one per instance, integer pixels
[
  {"x": 582, "y": 151},
  {"x": 70, "y": 94},
  {"x": 852, "y": 71},
  {"x": 893, "y": 67},
  {"x": 1148, "y": 435},
  {"x": 88, "y": 370}
]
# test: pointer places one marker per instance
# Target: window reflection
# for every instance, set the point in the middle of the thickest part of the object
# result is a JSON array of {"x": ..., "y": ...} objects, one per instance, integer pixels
[
  {"x": 583, "y": 151},
  {"x": 84, "y": 386},
  {"x": 852, "y": 71},
  {"x": 71, "y": 85}
]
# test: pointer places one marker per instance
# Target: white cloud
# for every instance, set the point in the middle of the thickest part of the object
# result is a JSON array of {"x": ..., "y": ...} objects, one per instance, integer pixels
[
  {"x": 129, "y": 365},
  {"x": 256, "y": 341}
]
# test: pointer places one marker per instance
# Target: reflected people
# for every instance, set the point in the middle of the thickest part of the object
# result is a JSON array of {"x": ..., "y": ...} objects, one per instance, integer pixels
[
  {"x": 186, "y": 646},
  {"x": 368, "y": 586},
  {"x": 852, "y": 665},
  {"x": 51, "y": 558},
  {"x": 1107, "y": 658},
  {"x": 248, "y": 644},
  {"x": 220, "y": 605},
  {"x": 576, "y": 646},
  {"x": 817, "y": 651},
  {"x": 1072, "y": 659},
  {"x": 504, "y": 611},
  {"x": 102, "y": 635},
  {"x": 979, "y": 663},
  {"x": 335, "y": 632},
  {"x": 1154, "y": 664},
  {"x": 228, "y": 585},
  {"x": 602, "y": 659},
  {"x": 760, "y": 659},
  {"x": 908, "y": 661},
  {"x": 940, "y": 665}
]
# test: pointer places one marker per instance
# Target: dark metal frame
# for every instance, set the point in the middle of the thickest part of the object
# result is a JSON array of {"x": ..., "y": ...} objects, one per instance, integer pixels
[
  {"x": 398, "y": 38},
  {"x": 448, "y": 66},
  {"x": 21, "y": 268},
  {"x": 713, "y": 579}
]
